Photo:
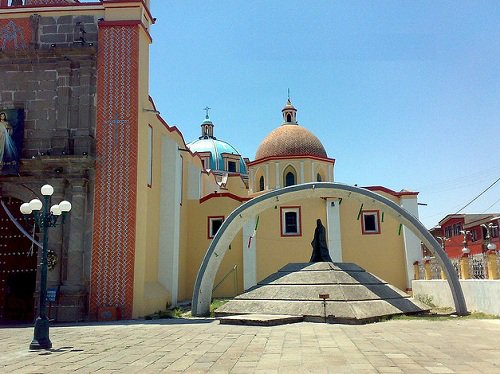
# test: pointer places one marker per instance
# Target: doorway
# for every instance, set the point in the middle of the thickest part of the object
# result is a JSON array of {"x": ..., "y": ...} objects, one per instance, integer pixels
[{"x": 18, "y": 265}]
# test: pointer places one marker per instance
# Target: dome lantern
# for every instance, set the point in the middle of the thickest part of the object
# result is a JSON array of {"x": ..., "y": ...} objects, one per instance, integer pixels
[
  {"x": 290, "y": 139},
  {"x": 207, "y": 126},
  {"x": 289, "y": 114}
]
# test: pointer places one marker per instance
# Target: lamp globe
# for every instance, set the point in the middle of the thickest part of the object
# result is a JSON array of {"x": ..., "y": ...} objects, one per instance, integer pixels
[{"x": 47, "y": 190}]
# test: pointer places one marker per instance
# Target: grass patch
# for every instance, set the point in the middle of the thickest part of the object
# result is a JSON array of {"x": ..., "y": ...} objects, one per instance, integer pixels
[
  {"x": 426, "y": 299},
  {"x": 184, "y": 311},
  {"x": 163, "y": 314},
  {"x": 216, "y": 303}
]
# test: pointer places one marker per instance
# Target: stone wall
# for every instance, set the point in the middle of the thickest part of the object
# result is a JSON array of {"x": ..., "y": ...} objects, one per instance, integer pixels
[
  {"x": 48, "y": 68},
  {"x": 67, "y": 31},
  {"x": 54, "y": 80},
  {"x": 480, "y": 295}
]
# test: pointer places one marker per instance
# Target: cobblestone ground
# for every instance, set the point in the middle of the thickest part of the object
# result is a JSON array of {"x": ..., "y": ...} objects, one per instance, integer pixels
[{"x": 199, "y": 346}]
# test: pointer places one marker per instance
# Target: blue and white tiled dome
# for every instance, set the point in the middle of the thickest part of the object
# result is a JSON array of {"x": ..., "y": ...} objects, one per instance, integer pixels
[{"x": 217, "y": 155}]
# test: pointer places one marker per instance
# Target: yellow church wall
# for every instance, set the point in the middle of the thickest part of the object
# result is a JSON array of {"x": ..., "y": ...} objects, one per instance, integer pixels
[
  {"x": 149, "y": 295},
  {"x": 186, "y": 217},
  {"x": 198, "y": 242},
  {"x": 303, "y": 169},
  {"x": 116, "y": 12},
  {"x": 381, "y": 254},
  {"x": 273, "y": 250}
]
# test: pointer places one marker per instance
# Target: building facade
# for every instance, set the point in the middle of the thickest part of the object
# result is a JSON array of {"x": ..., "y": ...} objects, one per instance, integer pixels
[
  {"x": 146, "y": 203},
  {"x": 471, "y": 231}
]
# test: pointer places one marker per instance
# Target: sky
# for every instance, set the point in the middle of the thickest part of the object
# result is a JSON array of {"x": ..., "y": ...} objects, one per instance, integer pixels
[{"x": 404, "y": 94}]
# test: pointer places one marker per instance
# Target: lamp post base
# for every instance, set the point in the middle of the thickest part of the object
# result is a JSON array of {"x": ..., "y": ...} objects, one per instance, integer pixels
[{"x": 41, "y": 336}]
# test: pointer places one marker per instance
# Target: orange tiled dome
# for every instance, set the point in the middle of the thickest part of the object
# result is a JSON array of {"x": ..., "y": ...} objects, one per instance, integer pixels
[{"x": 290, "y": 140}]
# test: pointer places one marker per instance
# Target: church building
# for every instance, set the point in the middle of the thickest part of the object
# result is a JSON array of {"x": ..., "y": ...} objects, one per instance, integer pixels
[{"x": 146, "y": 203}]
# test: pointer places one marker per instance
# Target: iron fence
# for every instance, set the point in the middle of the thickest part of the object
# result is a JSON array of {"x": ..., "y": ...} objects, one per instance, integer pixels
[{"x": 478, "y": 267}]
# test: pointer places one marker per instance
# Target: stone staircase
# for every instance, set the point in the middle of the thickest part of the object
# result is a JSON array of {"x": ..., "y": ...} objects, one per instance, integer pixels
[{"x": 319, "y": 292}]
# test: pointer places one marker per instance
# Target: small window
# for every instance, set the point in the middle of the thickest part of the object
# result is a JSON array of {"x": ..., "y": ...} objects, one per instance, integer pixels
[
  {"x": 214, "y": 224},
  {"x": 448, "y": 231},
  {"x": 457, "y": 227},
  {"x": 370, "y": 222},
  {"x": 290, "y": 221},
  {"x": 473, "y": 235},
  {"x": 318, "y": 178},
  {"x": 289, "y": 118},
  {"x": 261, "y": 183},
  {"x": 289, "y": 179},
  {"x": 484, "y": 232},
  {"x": 494, "y": 232},
  {"x": 231, "y": 166}
]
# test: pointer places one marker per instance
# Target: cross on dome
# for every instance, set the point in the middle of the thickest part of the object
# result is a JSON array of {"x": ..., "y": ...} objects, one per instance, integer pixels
[
  {"x": 206, "y": 109},
  {"x": 207, "y": 127}
]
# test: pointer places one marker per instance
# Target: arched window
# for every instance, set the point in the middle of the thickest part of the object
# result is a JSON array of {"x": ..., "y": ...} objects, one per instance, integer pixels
[
  {"x": 289, "y": 176},
  {"x": 261, "y": 183},
  {"x": 289, "y": 179},
  {"x": 318, "y": 178},
  {"x": 289, "y": 118}
]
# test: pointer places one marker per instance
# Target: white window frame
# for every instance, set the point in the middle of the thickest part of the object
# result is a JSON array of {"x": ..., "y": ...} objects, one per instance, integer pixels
[
  {"x": 283, "y": 212},
  {"x": 370, "y": 213},
  {"x": 211, "y": 221}
]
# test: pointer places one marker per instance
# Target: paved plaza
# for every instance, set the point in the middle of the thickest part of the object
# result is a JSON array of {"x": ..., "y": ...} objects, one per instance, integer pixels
[{"x": 199, "y": 346}]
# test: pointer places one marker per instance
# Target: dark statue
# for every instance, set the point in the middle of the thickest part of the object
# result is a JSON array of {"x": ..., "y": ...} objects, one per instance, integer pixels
[{"x": 320, "y": 248}]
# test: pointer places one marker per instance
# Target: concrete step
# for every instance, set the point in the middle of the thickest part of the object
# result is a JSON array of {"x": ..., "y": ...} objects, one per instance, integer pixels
[{"x": 260, "y": 319}]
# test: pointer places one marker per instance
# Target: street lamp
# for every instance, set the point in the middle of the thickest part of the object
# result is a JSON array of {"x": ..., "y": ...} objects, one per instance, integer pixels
[
  {"x": 44, "y": 219},
  {"x": 465, "y": 249},
  {"x": 490, "y": 246}
]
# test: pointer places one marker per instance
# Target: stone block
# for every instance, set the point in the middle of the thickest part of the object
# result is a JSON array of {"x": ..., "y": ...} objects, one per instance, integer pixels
[
  {"x": 80, "y": 132},
  {"x": 47, "y": 75},
  {"x": 46, "y": 95},
  {"x": 21, "y": 96},
  {"x": 11, "y": 78},
  {"x": 41, "y": 120},
  {"x": 91, "y": 37},
  {"x": 37, "y": 109},
  {"x": 58, "y": 142},
  {"x": 44, "y": 21},
  {"x": 6, "y": 96},
  {"x": 50, "y": 29},
  {"x": 62, "y": 118},
  {"x": 32, "y": 146},
  {"x": 47, "y": 85},
  {"x": 65, "y": 20},
  {"x": 84, "y": 117},
  {"x": 66, "y": 29},
  {"x": 30, "y": 85},
  {"x": 29, "y": 125},
  {"x": 85, "y": 20},
  {"x": 53, "y": 38},
  {"x": 84, "y": 100},
  {"x": 52, "y": 115},
  {"x": 91, "y": 27},
  {"x": 61, "y": 103}
]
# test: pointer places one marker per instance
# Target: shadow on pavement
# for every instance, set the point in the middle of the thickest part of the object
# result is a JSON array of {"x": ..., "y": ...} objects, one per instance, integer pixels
[{"x": 164, "y": 321}]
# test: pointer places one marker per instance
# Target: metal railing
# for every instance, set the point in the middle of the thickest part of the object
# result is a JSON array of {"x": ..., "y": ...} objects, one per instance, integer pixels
[{"x": 478, "y": 267}]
